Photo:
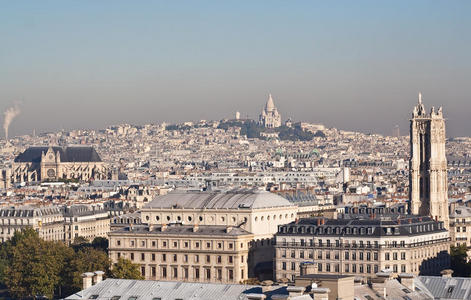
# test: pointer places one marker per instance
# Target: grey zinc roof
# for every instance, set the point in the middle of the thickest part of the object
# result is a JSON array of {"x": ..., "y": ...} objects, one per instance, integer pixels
[
  {"x": 445, "y": 288},
  {"x": 461, "y": 212},
  {"x": 67, "y": 154},
  {"x": 178, "y": 229},
  {"x": 166, "y": 290},
  {"x": 218, "y": 199}
]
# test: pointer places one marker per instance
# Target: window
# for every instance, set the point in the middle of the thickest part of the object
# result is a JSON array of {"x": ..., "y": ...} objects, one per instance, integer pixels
[
  {"x": 132, "y": 298},
  {"x": 175, "y": 257},
  {"x": 197, "y": 273},
  {"x": 386, "y": 256},
  {"x": 231, "y": 245},
  {"x": 231, "y": 274},
  {"x": 143, "y": 256},
  {"x": 208, "y": 258},
  {"x": 347, "y": 255},
  {"x": 143, "y": 271},
  {"x": 153, "y": 272},
  {"x": 293, "y": 266},
  {"x": 361, "y": 255},
  {"x": 327, "y": 267},
  {"x": 293, "y": 254},
  {"x": 368, "y": 255},
  {"x": 395, "y": 255},
  {"x": 319, "y": 267},
  {"x": 175, "y": 272},
  {"x": 219, "y": 259},
  {"x": 230, "y": 259},
  {"x": 154, "y": 243},
  {"x": 175, "y": 244},
  {"x": 197, "y": 244},
  {"x": 164, "y": 257},
  {"x": 132, "y": 256},
  {"x": 403, "y": 255},
  {"x": 283, "y": 265},
  {"x": 219, "y": 272},
  {"x": 153, "y": 256},
  {"x": 375, "y": 255},
  {"x": 164, "y": 272},
  {"x": 197, "y": 258},
  {"x": 115, "y": 297},
  {"x": 208, "y": 245},
  {"x": 319, "y": 255},
  {"x": 93, "y": 297},
  {"x": 118, "y": 243},
  {"x": 208, "y": 273}
]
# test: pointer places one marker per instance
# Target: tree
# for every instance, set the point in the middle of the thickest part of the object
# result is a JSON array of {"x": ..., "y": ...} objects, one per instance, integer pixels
[
  {"x": 100, "y": 243},
  {"x": 125, "y": 269},
  {"x": 84, "y": 260},
  {"x": 34, "y": 265},
  {"x": 459, "y": 263}
]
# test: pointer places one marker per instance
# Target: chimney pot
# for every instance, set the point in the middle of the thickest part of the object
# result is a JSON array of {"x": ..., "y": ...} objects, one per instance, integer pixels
[
  {"x": 87, "y": 280},
  {"x": 99, "y": 276}
]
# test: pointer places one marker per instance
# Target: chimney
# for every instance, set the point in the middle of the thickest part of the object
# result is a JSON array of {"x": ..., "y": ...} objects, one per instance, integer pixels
[
  {"x": 195, "y": 227},
  {"x": 321, "y": 293},
  {"x": 446, "y": 273},
  {"x": 256, "y": 296},
  {"x": 228, "y": 229},
  {"x": 98, "y": 276},
  {"x": 379, "y": 283},
  {"x": 308, "y": 268},
  {"x": 295, "y": 291},
  {"x": 407, "y": 280},
  {"x": 318, "y": 222},
  {"x": 164, "y": 227},
  {"x": 87, "y": 280}
]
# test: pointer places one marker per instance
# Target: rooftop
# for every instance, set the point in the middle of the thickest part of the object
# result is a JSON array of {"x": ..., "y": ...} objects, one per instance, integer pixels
[
  {"x": 67, "y": 154},
  {"x": 233, "y": 199},
  {"x": 178, "y": 229}
]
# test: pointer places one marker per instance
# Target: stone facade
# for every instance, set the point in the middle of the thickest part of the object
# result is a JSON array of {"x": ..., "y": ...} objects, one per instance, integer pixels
[
  {"x": 257, "y": 212},
  {"x": 406, "y": 244},
  {"x": 428, "y": 188},
  {"x": 270, "y": 117},
  {"x": 185, "y": 253},
  {"x": 55, "y": 223},
  {"x": 56, "y": 163}
]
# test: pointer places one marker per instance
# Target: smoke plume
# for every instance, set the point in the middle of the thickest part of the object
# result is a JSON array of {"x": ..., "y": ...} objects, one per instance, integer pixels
[{"x": 9, "y": 114}]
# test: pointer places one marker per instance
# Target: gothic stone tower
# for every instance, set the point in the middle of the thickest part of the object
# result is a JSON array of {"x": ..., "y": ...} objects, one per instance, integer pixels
[{"x": 428, "y": 185}]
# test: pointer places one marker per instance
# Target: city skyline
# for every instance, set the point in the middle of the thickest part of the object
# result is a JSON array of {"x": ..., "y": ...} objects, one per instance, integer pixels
[{"x": 346, "y": 66}]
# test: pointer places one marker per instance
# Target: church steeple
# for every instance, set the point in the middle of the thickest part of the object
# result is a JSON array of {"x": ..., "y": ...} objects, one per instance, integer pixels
[{"x": 428, "y": 189}]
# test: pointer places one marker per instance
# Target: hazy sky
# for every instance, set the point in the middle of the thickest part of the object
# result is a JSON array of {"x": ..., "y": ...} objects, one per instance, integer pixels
[{"x": 355, "y": 65}]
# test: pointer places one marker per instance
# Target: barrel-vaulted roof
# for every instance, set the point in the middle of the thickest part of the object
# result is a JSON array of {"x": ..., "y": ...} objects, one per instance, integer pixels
[{"x": 232, "y": 199}]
